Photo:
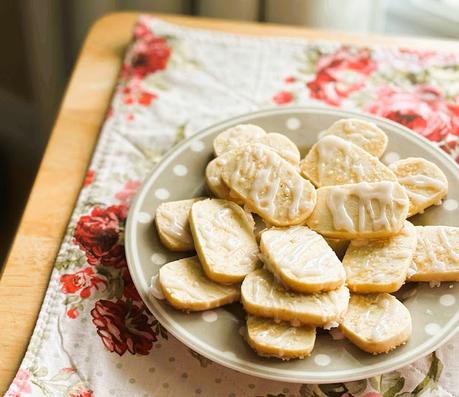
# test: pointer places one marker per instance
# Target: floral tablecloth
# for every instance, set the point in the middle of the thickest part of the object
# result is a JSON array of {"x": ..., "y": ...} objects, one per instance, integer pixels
[{"x": 94, "y": 336}]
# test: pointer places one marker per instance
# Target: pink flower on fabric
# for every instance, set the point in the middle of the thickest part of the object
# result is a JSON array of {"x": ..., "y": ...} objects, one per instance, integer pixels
[
  {"x": 422, "y": 109},
  {"x": 129, "y": 190},
  {"x": 21, "y": 384},
  {"x": 341, "y": 73},
  {"x": 283, "y": 97}
]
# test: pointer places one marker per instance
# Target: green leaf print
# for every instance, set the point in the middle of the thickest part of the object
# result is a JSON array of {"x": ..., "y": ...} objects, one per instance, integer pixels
[
  {"x": 391, "y": 384},
  {"x": 333, "y": 390},
  {"x": 431, "y": 378}
]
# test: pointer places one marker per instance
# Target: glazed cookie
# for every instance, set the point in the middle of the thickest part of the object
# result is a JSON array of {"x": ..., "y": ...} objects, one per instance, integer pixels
[
  {"x": 173, "y": 226},
  {"x": 263, "y": 296},
  {"x": 338, "y": 245},
  {"x": 279, "y": 339},
  {"x": 359, "y": 211},
  {"x": 301, "y": 259},
  {"x": 380, "y": 265},
  {"x": 335, "y": 161},
  {"x": 224, "y": 240},
  {"x": 424, "y": 182},
  {"x": 186, "y": 287},
  {"x": 362, "y": 133},
  {"x": 245, "y": 134},
  {"x": 269, "y": 185},
  {"x": 239, "y": 135},
  {"x": 437, "y": 254},
  {"x": 283, "y": 146},
  {"x": 376, "y": 323},
  {"x": 215, "y": 182}
]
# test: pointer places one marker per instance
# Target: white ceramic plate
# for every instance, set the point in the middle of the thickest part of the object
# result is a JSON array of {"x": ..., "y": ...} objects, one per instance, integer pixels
[{"x": 216, "y": 334}]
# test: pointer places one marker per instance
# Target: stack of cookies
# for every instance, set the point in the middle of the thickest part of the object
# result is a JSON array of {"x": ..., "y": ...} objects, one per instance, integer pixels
[{"x": 322, "y": 242}]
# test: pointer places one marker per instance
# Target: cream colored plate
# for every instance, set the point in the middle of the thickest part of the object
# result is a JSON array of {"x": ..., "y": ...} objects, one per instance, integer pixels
[{"x": 180, "y": 175}]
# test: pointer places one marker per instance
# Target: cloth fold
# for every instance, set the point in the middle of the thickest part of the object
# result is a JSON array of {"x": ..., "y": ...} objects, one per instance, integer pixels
[{"x": 94, "y": 336}]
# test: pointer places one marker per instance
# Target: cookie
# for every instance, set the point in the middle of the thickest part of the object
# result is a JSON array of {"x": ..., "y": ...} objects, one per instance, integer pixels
[
  {"x": 234, "y": 137},
  {"x": 335, "y": 161},
  {"x": 186, "y": 287},
  {"x": 364, "y": 134},
  {"x": 214, "y": 181},
  {"x": 269, "y": 185},
  {"x": 424, "y": 182},
  {"x": 263, "y": 296},
  {"x": 224, "y": 240},
  {"x": 245, "y": 134},
  {"x": 338, "y": 245},
  {"x": 380, "y": 265},
  {"x": 283, "y": 146},
  {"x": 279, "y": 339},
  {"x": 437, "y": 254},
  {"x": 376, "y": 323},
  {"x": 301, "y": 259},
  {"x": 358, "y": 211},
  {"x": 172, "y": 224}
]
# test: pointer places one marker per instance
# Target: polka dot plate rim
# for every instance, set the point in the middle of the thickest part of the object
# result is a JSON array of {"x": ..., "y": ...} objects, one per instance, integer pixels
[{"x": 215, "y": 334}]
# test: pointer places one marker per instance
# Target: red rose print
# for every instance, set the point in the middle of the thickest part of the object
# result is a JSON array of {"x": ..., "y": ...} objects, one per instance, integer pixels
[
  {"x": 122, "y": 327},
  {"x": 97, "y": 234},
  {"x": 129, "y": 190},
  {"x": 290, "y": 79},
  {"x": 73, "y": 313},
  {"x": 134, "y": 93},
  {"x": 129, "y": 291},
  {"x": 283, "y": 97},
  {"x": 82, "y": 282},
  {"x": 89, "y": 178},
  {"x": 421, "y": 108},
  {"x": 341, "y": 73},
  {"x": 148, "y": 54}
]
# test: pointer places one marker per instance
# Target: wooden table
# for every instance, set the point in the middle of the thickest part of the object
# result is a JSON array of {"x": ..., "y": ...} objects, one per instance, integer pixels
[{"x": 27, "y": 270}]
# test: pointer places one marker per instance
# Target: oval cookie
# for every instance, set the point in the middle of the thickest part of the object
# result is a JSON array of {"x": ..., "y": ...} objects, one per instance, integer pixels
[
  {"x": 263, "y": 296},
  {"x": 279, "y": 339},
  {"x": 269, "y": 185},
  {"x": 245, "y": 134},
  {"x": 437, "y": 254},
  {"x": 234, "y": 137},
  {"x": 335, "y": 161},
  {"x": 362, "y": 210},
  {"x": 380, "y": 265},
  {"x": 301, "y": 259},
  {"x": 283, "y": 146},
  {"x": 186, "y": 287},
  {"x": 424, "y": 182},
  {"x": 362, "y": 133},
  {"x": 224, "y": 240},
  {"x": 172, "y": 224},
  {"x": 214, "y": 181},
  {"x": 376, "y": 323}
]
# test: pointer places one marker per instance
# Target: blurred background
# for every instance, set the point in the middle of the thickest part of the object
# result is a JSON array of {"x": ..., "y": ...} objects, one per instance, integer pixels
[{"x": 40, "y": 41}]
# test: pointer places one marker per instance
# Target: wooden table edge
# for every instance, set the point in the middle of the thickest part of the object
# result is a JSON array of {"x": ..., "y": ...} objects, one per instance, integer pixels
[{"x": 28, "y": 267}]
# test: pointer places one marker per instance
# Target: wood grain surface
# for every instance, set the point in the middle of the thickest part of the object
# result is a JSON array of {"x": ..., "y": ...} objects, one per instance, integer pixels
[{"x": 28, "y": 267}]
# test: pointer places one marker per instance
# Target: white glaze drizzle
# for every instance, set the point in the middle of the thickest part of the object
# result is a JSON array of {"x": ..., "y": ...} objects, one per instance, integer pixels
[
  {"x": 375, "y": 200},
  {"x": 176, "y": 227},
  {"x": 327, "y": 149},
  {"x": 266, "y": 182},
  {"x": 423, "y": 181}
]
